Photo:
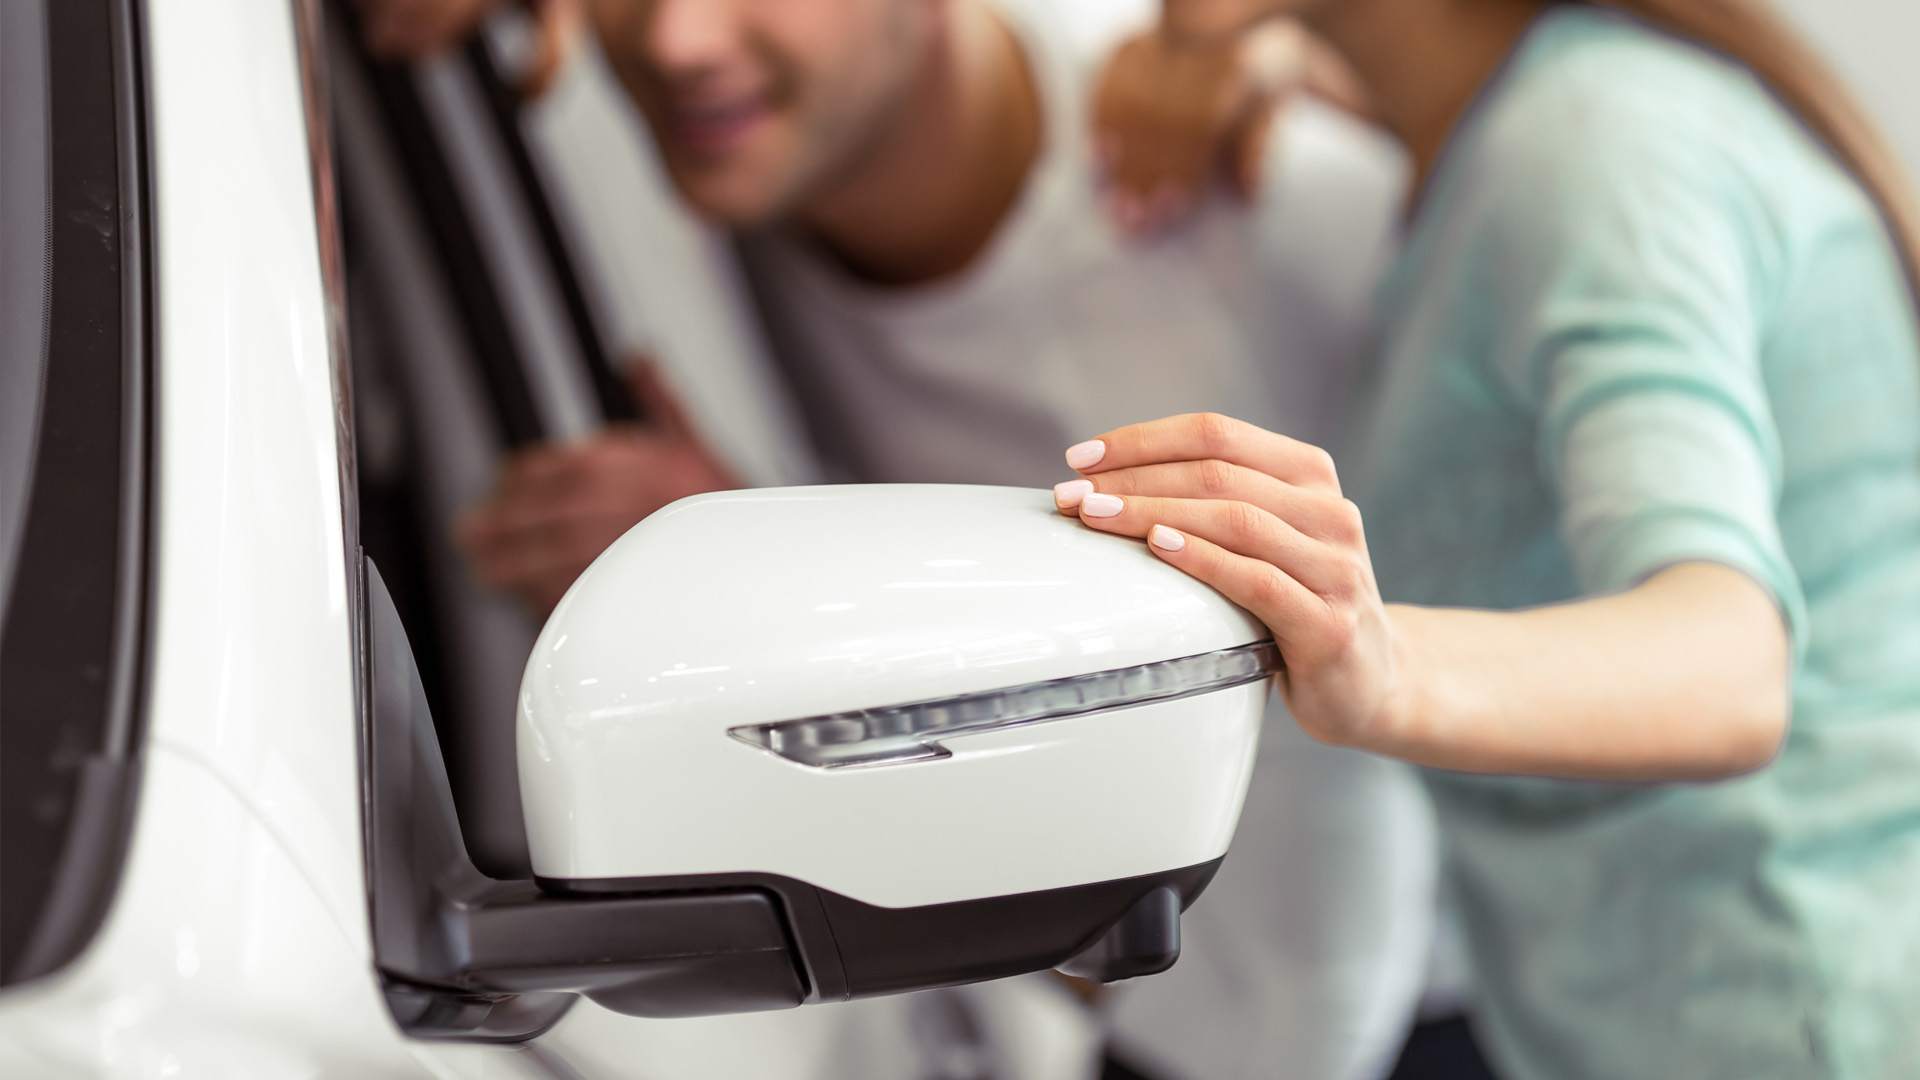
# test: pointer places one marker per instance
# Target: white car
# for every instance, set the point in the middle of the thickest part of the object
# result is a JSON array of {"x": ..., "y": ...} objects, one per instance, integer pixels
[{"x": 281, "y": 794}]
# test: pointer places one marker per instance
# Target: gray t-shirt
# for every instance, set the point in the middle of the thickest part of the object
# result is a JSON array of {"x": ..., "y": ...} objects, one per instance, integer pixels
[{"x": 1064, "y": 328}]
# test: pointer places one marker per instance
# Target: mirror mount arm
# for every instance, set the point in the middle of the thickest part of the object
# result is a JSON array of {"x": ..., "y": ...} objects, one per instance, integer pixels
[{"x": 464, "y": 956}]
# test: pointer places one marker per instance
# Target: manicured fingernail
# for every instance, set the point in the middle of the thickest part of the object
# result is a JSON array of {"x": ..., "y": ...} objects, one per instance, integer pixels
[
  {"x": 1100, "y": 504},
  {"x": 1165, "y": 539},
  {"x": 1069, "y": 494},
  {"x": 1086, "y": 455}
]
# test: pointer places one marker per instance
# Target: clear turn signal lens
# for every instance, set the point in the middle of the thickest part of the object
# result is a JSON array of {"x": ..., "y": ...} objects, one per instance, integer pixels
[{"x": 898, "y": 733}]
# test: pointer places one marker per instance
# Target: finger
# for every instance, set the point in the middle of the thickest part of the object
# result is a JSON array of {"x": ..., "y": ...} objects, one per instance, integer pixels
[
  {"x": 1134, "y": 174},
  {"x": 519, "y": 559},
  {"x": 655, "y": 393},
  {"x": 1214, "y": 20},
  {"x": 558, "y": 29},
  {"x": 1248, "y": 152},
  {"x": 542, "y": 598},
  {"x": 476, "y": 527},
  {"x": 1328, "y": 77},
  {"x": 1170, "y": 204},
  {"x": 584, "y": 504},
  {"x": 1239, "y": 527},
  {"x": 502, "y": 521},
  {"x": 401, "y": 32},
  {"x": 552, "y": 468},
  {"x": 1289, "y": 609},
  {"x": 1324, "y": 517},
  {"x": 498, "y": 522},
  {"x": 1204, "y": 436}
]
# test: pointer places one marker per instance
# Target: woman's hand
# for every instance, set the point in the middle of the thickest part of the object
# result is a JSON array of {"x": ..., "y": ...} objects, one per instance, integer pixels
[
  {"x": 1194, "y": 99},
  {"x": 1259, "y": 517},
  {"x": 1683, "y": 676}
]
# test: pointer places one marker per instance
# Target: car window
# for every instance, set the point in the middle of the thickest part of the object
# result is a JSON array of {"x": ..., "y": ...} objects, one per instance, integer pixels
[{"x": 23, "y": 264}]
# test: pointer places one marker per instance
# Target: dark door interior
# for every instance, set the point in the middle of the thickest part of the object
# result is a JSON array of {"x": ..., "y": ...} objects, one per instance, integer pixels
[{"x": 469, "y": 337}]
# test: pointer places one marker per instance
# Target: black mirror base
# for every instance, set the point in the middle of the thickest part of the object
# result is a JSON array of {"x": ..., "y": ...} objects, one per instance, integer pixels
[
  {"x": 1109, "y": 930},
  {"x": 1146, "y": 941}
]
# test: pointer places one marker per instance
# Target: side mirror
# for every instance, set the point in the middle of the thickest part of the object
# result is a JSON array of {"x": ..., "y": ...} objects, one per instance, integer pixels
[{"x": 935, "y": 734}]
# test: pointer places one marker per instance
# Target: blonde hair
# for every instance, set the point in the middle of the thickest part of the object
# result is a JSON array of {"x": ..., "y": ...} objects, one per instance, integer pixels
[{"x": 1751, "y": 33}]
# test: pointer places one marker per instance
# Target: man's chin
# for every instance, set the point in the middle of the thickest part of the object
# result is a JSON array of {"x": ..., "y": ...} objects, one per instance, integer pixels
[{"x": 731, "y": 197}]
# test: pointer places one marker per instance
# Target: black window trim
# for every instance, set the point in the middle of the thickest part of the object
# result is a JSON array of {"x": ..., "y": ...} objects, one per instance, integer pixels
[{"x": 105, "y": 249}]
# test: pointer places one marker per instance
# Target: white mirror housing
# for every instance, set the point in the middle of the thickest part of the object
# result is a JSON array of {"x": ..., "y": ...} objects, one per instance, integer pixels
[{"x": 885, "y": 699}]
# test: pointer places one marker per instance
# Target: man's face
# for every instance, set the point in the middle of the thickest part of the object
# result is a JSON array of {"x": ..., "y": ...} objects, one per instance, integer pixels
[{"x": 760, "y": 104}]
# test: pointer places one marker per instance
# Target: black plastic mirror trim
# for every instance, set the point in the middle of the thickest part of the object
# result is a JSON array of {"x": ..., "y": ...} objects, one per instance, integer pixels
[{"x": 853, "y": 949}]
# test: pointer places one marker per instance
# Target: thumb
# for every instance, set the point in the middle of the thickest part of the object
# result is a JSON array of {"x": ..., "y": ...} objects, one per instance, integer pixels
[
  {"x": 1247, "y": 148},
  {"x": 557, "y": 28}
]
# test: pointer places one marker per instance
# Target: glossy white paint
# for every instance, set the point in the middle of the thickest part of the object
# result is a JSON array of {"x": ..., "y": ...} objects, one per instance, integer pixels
[
  {"x": 220, "y": 960},
  {"x": 748, "y": 607},
  {"x": 238, "y": 945}
]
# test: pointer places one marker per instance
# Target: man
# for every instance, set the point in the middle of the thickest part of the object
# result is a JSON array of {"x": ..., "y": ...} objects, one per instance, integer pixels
[{"x": 919, "y": 212}]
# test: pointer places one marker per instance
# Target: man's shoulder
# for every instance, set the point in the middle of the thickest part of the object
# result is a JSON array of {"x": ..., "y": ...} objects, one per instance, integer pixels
[{"x": 1080, "y": 33}]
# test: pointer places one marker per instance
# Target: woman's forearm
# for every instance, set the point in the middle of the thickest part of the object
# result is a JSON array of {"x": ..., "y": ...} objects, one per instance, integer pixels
[{"x": 1683, "y": 677}]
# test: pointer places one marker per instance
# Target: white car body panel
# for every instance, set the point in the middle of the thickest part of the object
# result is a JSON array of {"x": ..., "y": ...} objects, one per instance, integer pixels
[{"x": 220, "y": 960}]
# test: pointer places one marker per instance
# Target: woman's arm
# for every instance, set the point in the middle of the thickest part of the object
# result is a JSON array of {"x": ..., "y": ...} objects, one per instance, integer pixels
[{"x": 1682, "y": 677}]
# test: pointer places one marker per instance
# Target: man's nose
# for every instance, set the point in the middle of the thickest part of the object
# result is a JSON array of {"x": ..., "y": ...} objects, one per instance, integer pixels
[{"x": 692, "y": 33}]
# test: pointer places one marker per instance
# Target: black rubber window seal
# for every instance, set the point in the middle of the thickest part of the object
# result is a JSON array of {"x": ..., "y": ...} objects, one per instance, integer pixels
[{"x": 74, "y": 641}]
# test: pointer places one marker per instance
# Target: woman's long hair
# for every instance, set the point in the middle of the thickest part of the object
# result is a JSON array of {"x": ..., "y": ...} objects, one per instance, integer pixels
[{"x": 1751, "y": 33}]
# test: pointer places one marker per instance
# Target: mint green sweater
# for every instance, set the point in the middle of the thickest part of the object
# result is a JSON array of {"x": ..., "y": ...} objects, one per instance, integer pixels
[{"x": 1642, "y": 318}]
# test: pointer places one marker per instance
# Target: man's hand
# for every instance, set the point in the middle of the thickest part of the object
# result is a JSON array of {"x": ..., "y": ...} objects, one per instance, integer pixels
[
  {"x": 410, "y": 29},
  {"x": 558, "y": 507},
  {"x": 413, "y": 29}
]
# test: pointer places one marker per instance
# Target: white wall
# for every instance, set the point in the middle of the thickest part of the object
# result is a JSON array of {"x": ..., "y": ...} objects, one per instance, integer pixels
[{"x": 1873, "y": 43}]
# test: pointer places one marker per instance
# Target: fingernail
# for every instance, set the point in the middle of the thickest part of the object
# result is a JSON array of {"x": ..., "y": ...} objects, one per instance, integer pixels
[
  {"x": 1165, "y": 539},
  {"x": 1086, "y": 455},
  {"x": 1100, "y": 504},
  {"x": 1069, "y": 494}
]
